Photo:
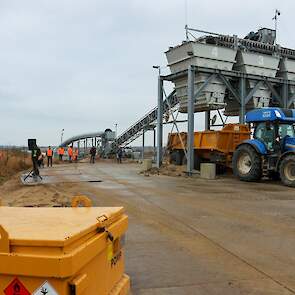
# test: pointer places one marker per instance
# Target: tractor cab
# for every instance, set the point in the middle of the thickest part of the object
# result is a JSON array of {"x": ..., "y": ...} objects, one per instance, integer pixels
[
  {"x": 271, "y": 152},
  {"x": 274, "y": 127}
]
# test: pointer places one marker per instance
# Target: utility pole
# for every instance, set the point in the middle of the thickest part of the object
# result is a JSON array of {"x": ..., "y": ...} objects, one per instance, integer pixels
[
  {"x": 62, "y": 135},
  {"x": 275, "y": 18},
  {"x": 116, "y": 130}
]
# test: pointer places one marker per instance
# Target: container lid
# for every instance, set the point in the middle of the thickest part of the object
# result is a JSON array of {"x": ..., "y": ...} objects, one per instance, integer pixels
[{"x": 54, "y": 226}]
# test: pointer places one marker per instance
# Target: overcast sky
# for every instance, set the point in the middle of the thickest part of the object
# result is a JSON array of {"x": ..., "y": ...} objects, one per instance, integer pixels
[{"x": 86, "y": 65}]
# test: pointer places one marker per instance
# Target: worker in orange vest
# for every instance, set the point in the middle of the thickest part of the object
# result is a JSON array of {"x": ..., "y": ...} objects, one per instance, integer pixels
[
  {"x": 49, "y": 154},
  {"x": 70, "y": 153},
  {"x": 61, "y": 152},
  {"x": 75, "y": 155}
]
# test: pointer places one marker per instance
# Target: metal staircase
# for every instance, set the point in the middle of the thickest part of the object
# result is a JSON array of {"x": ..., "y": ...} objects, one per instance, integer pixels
[{"x": 145, "y": 122}]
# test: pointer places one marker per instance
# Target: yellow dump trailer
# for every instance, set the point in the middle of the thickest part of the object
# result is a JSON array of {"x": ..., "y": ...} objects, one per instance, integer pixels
[
  {"x": 64, "y": 251},
  {"x": 213, "y": 146}
]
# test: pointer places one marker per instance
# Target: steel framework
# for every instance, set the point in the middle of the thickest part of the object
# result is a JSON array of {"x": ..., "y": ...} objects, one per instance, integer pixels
[{"x": 277, "y": 86}]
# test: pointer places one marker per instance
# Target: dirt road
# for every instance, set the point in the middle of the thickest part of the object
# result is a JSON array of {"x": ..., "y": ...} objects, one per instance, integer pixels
[{"x": 188, "y": 236}]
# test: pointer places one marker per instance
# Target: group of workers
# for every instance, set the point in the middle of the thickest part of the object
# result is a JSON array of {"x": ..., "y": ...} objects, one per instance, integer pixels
[
  {"x": 38, "y": 157},
  {"x": 73, "y": 153}
]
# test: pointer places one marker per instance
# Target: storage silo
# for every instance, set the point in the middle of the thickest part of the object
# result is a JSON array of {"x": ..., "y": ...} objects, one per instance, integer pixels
[
  {"x": 201, "y": 54},
  {"x": 256, "y": 64}
]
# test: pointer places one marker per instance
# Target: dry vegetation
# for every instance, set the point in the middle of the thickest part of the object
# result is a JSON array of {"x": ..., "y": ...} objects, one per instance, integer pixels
[{"x": 13, "y": 161}]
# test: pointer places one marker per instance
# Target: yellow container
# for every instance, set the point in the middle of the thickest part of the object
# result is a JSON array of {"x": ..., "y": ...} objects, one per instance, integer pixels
[{"x": 64, "y": 251}]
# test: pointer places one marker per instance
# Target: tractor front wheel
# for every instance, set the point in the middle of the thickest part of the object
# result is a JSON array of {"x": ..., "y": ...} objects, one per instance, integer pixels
[
  {"x": 287, "y": 170},
  {"x": 247, "y": 164}
]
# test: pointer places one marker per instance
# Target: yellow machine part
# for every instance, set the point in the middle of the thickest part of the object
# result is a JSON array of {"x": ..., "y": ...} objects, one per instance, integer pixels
[
  {"x": 75, "y": 250},
  {"x": 223, "y": 141}
]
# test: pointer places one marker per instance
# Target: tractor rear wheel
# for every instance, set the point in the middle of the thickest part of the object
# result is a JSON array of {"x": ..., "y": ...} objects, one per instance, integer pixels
[
  {"x": 247, "y": 163},
  {"x": 287, "y": 170}
]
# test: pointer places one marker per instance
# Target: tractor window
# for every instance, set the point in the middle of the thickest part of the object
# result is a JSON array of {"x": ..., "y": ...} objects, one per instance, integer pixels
[
  {"x": 286, "y": 130},
  {"x": 266, "y": 133}
]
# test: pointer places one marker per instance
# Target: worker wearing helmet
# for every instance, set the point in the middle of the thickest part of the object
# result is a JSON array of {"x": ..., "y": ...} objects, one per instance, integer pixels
[{"x": 49, "y": 154}]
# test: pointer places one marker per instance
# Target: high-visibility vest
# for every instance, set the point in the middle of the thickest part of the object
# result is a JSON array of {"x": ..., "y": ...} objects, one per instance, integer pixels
[
  {"x": 75, "y": 154},
  {"x": 49, "y": 153},
  {"x": 61, "y": 151},
  {"x": 70, "y": 151}
]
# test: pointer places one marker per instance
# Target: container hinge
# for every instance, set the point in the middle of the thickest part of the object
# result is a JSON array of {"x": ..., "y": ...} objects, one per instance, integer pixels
[
  {"x": 109, "y": 234},
  {"x": 102, "y": 219}
]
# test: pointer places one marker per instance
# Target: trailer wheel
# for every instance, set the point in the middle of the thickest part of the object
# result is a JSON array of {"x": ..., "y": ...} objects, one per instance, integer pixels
[
  {"x": 287, "y": 170},
  {"x": 197, "y": 162},
  {"x": 247, "y": 163},
  {"x": 176, "y": 157}
]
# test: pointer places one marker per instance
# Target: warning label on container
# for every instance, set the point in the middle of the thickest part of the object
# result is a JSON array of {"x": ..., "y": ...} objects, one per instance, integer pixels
[
  {"x": 45, "y": 289},
  {"x": 16, "y": 287}
]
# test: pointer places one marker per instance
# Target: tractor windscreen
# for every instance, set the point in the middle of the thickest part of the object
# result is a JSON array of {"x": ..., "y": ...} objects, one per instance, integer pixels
[{"x": 286, "y": 130}]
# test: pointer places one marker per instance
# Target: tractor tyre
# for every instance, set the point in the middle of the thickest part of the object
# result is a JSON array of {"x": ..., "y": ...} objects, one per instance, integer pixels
[
  {"x": 274, "y": 175},
  {"x": 287, "y": 170},
  {"x": 247, "y": 164}
]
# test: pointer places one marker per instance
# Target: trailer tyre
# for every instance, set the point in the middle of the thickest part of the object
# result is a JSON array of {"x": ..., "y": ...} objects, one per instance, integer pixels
[
  {"x": 287, "y": 170},
  {"x": 197, "y": 162},
  {"x": 176, "y": 158},
  {"x": 247, "y": 163}
]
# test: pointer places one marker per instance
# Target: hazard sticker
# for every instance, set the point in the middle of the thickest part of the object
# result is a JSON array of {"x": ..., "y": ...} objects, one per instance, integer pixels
[
  {"x": 16, "y": 287},
  {"x": 45, "y": 289}
]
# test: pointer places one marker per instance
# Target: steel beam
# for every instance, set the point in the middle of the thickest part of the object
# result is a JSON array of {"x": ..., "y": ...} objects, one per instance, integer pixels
[
  {"x": 204, "y": 85},
  {"x": 160, "y": 123},
  {"x": 230, "y": 87},
  {"x": 227, "y": 74},
  {"x": 291, "y": 100},
  {"x": 242, "y": 89},
  {"x": 285, "y": 94},
  {"x": 154, "y": 133},
  {"x": 143, "y": 144},
  {"x": 253, "y": 90},
  {"x": 274, "y": 92},
  {"x": 190, "y": 113},
  {"x": 207, "y": 120}
]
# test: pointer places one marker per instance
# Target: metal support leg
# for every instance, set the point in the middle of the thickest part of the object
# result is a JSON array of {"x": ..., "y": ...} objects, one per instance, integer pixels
[
  {"x": 242, "y": 98},
  {"x": 154, "y": 131},
  {"x": 142, "y": 152},
  {"x": 160, "y": 123},
  {"x": 285, "y": 94},
  {"x": 207, "y": 120},
  {"x": 190, "y": 113}
]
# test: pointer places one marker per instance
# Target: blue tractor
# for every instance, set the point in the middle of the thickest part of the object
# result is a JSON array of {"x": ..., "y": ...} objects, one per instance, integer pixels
[{"x": 271, "y": 152}]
